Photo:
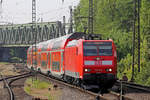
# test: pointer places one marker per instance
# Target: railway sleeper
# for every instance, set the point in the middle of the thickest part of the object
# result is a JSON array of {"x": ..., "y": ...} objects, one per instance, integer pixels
[{"x": 19, "y": 86}]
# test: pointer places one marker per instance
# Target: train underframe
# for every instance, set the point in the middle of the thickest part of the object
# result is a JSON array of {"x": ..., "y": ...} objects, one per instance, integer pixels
[
  {"x": 91, "y": 81},
  {"x": 99, "y": 80}
]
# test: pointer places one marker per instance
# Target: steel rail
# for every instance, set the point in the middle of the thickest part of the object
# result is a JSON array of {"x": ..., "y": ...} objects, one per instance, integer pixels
[
  {"x": 119, "y": 96},
  {"x": 8, "y": 87},
  {"x": 14, "y": 76},
  {"x": 134, "y": 86},
  {"x": 20, "y": 77}
]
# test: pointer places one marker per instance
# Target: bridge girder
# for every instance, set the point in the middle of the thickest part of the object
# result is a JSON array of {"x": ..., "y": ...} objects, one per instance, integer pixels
[{"x": 22, "y": 34}]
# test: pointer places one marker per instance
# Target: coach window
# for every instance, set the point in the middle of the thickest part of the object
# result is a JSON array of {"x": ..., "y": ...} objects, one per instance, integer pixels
[
  {"x": 39, "y": 57},
  {"x": 34, "y": 62},
  {"x": 55, "y": 64},
  {"x": 43, "y": 64}
]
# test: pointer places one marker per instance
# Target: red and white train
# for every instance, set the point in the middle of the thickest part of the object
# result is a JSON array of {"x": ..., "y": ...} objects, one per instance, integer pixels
[{"x": 90, "y": 63}]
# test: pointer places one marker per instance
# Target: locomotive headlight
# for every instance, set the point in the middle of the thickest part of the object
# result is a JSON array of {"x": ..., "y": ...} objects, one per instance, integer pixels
[
  {"x": 87, "y": 70},
  {"x": 110, "y": 69}
]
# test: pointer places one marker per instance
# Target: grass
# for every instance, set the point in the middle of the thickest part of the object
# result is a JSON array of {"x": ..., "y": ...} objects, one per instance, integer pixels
[
  {"x": 38, "y": 83},
  {"x": 38, "y": 88},
  {"x": 27, "y": 89},
  {"x": 4, "y": 62}
]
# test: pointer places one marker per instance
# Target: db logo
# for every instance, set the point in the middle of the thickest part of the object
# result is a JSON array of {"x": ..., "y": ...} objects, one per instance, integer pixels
[{"x": 98, "y": 62}]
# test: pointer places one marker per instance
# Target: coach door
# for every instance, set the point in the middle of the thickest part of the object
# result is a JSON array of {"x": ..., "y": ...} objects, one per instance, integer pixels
[
  {"x": 62, "y": 59},
  {"x": 57, "y": 62},
  {"x": 48, "y": 61}
]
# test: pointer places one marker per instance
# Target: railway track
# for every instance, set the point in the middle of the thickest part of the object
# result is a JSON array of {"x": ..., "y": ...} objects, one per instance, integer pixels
[
  {"x": 107, "y": 96},
  {"x": 132, "y": 86},
  {"x": 9, "y": 80},
  {"x": 6, "y": 84},
  {"x": 131, "y": 91},
  {"x": 11, "y": 77}
]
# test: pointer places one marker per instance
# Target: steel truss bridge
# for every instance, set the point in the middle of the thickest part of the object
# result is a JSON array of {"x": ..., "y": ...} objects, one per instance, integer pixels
[{"x": 21, "y": 35}]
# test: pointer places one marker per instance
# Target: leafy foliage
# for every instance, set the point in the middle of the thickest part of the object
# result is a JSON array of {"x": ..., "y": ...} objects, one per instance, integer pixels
[
  {"x": 15, "y": 59},
  {"x": 17, "y": 55}
]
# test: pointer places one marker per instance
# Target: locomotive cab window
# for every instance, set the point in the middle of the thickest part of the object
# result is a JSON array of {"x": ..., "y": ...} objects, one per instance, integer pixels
[
  {"x": 105, "y": 50},
  {"x": 90, "y": 50},
  {"x": 97, "y": 48}
]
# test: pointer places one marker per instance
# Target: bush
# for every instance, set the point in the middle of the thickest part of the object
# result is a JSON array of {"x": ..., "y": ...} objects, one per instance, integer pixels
[{"x": 16, "y": 59}]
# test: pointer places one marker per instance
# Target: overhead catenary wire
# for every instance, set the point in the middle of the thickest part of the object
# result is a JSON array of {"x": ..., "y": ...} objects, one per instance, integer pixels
[{"x": 21, "y": 16}]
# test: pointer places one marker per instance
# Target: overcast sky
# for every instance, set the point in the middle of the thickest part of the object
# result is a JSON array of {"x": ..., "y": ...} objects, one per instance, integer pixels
[{"x": 20, "y": 11}]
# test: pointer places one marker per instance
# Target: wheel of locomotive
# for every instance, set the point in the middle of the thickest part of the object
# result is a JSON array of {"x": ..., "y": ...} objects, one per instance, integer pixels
[
  {"x": 64, "y": 78},
  {"x": 48, "y": 73},
  {"x": 68, "y": 79},
  {"x": 77, "y": 82},
  {"x": 39, "y": 70},
  {"x": 71, "y": 80},
  {"x": 82, "y": 85}
]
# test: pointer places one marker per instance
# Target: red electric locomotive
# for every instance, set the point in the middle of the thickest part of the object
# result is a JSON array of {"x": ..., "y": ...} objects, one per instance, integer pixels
[{"x": 89, "y": 63}]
